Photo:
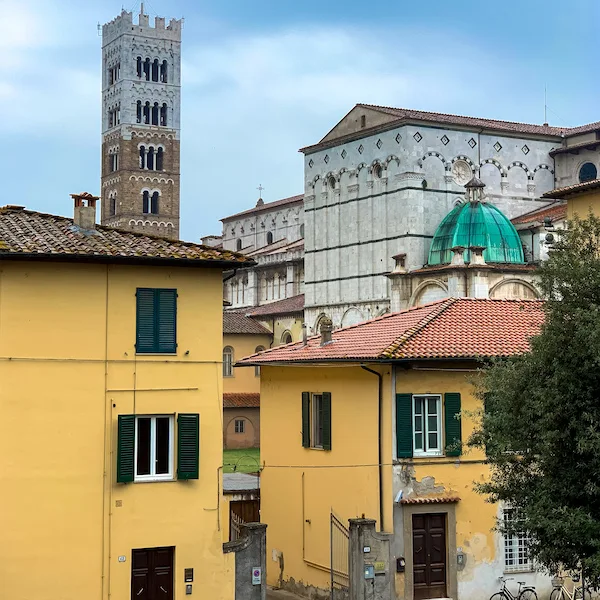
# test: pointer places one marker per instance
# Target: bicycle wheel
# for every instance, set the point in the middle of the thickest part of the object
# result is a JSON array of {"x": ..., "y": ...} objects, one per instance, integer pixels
[
  {"x": 556, "y": 594},
  {"x": 577, "y": 595},
  {"x": 498, "y": 596},
  {"x": 528, "y": 594}
]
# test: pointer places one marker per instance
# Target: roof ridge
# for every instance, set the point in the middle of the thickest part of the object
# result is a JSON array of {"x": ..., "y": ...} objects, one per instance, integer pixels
[
  {"x": 407, "y": 112},
  {"x": 409, "y": 333}
]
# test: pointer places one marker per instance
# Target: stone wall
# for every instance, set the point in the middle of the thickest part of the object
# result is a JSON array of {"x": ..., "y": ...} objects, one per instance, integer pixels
[{"x": 251, "y": 436}]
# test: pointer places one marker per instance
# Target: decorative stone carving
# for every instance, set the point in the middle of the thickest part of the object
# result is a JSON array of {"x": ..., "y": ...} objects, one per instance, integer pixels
[{"x": 461, "y": 172}]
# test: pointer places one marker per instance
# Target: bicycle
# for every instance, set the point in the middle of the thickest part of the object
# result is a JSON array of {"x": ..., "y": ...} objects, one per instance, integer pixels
[
  {"x": 525, "y": 593},
  {"x": 560, "y": 591}
]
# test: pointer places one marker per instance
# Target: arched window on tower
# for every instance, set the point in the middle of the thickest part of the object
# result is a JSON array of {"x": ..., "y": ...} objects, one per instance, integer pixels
[
  {"x": 155, "y": 114},
  {"x": 147, "y": 113},
  {"x": 154, "y": 203},
  {"x": 139, "y": 111},
  {"x": 238, "y": 245},
  {"x": 146, "y": 202},
  {"x": 163, "y": 115},
  {"x": 150, "y": 158},
  {"x": 147, "y": 69},
  {"x": 159, "y": 159},
  {"x": 112, "y": 204},
  {"x": 269, "y": 237},
  {"x": 139, "y": 66},
  {"x": 155, "y": 70},
  {"x": 142, "y": 157},
  {"x": 163, "y": 71}
]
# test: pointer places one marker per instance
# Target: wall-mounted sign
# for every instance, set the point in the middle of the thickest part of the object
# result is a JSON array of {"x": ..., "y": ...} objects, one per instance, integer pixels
[
  {"x": 367, "y": 549},
  {"x": 122, "y": 558},
  {"x": 256, "y": 575}
]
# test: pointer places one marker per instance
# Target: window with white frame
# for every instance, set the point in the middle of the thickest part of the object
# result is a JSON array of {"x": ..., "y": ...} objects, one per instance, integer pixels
[
  {"x": 228, "y": 361},
  {"x": 240, "y": 426},
  {"x": 154, "y": 447},
  {"x": 515, "y": 544},
  {"x": 427, "y": 425}
]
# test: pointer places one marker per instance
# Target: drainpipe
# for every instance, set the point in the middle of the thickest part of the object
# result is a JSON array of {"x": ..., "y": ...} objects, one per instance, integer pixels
[
  {"x": 230, "y": 276},
  {"x": 379, "y": 449}
]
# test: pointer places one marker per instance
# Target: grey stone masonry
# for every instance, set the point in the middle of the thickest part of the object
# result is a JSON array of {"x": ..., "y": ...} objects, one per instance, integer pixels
[
  {"x": 141, "y": 97},
  {"x": 250, "y": 555},
  {"x": 369, "y": 562}
]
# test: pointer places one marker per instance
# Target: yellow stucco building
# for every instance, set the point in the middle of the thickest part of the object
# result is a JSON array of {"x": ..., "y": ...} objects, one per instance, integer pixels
[
  {"x": 111, "y": 429},
  {"x": 370, "y": 420},
  {"x": 581, "y": 198}
]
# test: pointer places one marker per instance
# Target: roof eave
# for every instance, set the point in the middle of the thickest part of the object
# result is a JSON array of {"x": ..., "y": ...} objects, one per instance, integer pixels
[
  {"x": 359, "y": 361},
  {"x": 126, "y": 260}
]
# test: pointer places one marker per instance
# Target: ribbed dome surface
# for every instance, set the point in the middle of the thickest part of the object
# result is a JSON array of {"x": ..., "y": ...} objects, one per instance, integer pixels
[{"x": 476, "y": 224}]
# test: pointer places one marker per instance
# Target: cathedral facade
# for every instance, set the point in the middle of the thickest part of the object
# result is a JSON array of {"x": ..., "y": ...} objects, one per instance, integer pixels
[{"x": 141, "y": 96}]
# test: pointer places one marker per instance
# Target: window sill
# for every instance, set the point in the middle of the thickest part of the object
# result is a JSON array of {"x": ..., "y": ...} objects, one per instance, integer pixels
[
  {"x": 155, "y": 479},
  {"x": 429, "y": 455},
  {"x": 156, "y": 353},
  {"x": 519, "y": 571}
]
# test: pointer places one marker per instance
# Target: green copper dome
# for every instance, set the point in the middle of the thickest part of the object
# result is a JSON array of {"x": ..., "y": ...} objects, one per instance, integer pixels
[{"x": 476, "y": 224}]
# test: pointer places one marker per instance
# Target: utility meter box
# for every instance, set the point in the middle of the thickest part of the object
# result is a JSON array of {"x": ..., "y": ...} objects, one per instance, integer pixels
[{"x": 369, "y": 572}]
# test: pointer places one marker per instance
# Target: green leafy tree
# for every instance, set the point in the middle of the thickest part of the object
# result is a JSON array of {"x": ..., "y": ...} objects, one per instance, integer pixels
[{"x": 541, "y": 423}]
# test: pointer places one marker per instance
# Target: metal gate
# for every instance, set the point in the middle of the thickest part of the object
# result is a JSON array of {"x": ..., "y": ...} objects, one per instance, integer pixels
[{"x": 338, "y": 566}]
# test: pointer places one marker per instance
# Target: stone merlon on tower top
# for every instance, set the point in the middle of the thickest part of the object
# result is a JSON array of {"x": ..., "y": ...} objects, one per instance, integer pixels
[{"x": 124, "y": 24}]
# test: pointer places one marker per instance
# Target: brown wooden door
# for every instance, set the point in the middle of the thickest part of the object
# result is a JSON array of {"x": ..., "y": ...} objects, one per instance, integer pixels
[
  {"x": 152, "y": 574},
  {"x": 429, "y": 556}
]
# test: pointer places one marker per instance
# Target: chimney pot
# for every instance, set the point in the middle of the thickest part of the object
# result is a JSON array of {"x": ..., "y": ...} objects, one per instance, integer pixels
[
  {"x": 326, "y": 329},
  {"x": 477, "y": 255},
  {"x": 84, "y": 213}
]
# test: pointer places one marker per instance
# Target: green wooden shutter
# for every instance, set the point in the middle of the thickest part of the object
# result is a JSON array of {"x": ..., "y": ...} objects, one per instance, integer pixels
[
  {"x": 404, "y": 426},
  {"x": 188, "y": 446},
  {"x": 326, "y": 406},
  {"x": 166, "y": 320},
  {"x": 125, "y": 448},
  {"x": 306, "y": 419},
  {"x": 453, "y": 424},
  {"x": 145, "y": 321}
]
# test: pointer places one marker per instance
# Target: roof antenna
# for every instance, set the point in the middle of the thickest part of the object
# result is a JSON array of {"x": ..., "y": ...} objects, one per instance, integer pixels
[{"x": 545, "y": 107}]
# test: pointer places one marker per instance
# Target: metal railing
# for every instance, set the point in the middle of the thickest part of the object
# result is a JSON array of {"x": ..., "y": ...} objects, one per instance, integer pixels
[{"x": 338, "y": 566}]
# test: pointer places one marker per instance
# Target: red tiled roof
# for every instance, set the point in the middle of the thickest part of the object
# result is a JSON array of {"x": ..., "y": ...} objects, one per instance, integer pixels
[
  {"x": 429, "y": 500},
  {"x": 450, "y": 328},
  {"x": 29, "y": 234},
  {"x": 236, "y": 322},
  {"x": 266, "y": 206},
  {"x": 287, "y": 306},
  {"x": 278, "y": 247},
  {"x": 556, "y": 212},
  {"x": 241, "y": 400},
  {"x": 573, "y": 189}
]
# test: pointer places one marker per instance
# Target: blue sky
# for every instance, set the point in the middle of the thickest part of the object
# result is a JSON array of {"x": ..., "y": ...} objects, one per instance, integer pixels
[{"x": 264, "y": 78}]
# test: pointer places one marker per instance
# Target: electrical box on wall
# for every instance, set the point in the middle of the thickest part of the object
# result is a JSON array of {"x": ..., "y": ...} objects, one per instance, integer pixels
[
  {"x": 369, "y": 572},
  {"x": 400, "y": 564}
]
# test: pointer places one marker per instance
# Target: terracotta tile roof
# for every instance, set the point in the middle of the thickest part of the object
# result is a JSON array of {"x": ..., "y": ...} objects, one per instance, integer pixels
[
  {"x": 241, "y": 400},
  {"x": 429, "y": 500},
  {"x": 278, "y": 247},
  {"x": 287, "y": 306},
  {"x": 452, "y": 328},
  {"x": 29, "y": 234},
  {"x": 236, "y": 322},
  {"x": 266, "y": 207},
  {"x": 573, "y": 189},
  {"x": 590, "y": 145},
  {"x": 556, "y": 212}
]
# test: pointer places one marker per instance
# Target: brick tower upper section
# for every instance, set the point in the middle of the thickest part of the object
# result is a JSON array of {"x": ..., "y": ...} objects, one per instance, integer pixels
[{"x": 141, "y": 97}]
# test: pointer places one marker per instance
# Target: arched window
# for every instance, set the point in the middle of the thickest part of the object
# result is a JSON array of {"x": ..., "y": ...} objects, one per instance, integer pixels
[
  {"x": 147, "y": 69},
  {"x": 588, "y": 172},
  {"x": 238, "y": 245},
  {"x": 286, "y": 338},
  {"x": 163, "y": 71},
  {"x": 163, "y": 115},
  {"x": 142, "y": 157},
  {"x": 155, "y": 114},
  {"x": 159, "y": 159},
  {"x": 155, "y": 70},
  {"x": 150, "y": 158},
  {"x": 256, "y": 351},
  {"x": 112, "y": 201},
  {"x": 228, "y": 361},
  {"x": 269, "y": 237},
  {"x": 139, "y": 111},
  {"x": 154, "y": 203},
  {"x": 139, "y": 66},
  {"x": 145, "y": 202},
  {"x": 147, "y": 113},
  {"x": 302, "y": 230}
]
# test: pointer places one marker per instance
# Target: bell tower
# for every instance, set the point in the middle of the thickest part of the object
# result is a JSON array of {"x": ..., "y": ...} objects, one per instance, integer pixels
[{"x": 141, "y": 97}]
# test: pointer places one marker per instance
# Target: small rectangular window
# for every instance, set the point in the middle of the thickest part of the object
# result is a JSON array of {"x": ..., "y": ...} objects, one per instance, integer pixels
[
  {"x": 317, "y": 420},
  {"x": 427, "y": 425},
  {"x": 515, "y": 545},
  {"x": 239, "y": 426},
  {"x": 154, "y": 447}
]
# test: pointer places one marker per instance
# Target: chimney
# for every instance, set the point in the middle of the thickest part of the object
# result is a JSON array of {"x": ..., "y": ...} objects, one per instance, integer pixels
[
  {"x": 477, "y": 255},
  {"x": 458, "y": 258},
  {"x": 326, "y": 329},
  {"x": 84, "y": 215},
  {"x": 304, "y": 335}
]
